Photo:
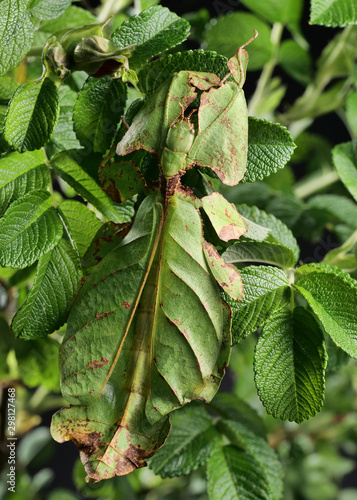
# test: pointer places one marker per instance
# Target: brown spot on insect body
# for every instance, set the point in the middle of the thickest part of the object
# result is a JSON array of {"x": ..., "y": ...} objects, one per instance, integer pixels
[
  {"x": 92, "y": 365},
  {"x": 105, "y": 314}
]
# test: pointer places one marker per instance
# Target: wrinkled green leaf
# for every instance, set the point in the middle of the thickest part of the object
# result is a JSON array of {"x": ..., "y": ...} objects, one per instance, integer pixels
[
  {"x": 270, "y": 148},
  {"x": 259, "y": 448},
  {"x": 7, "y": 88},
  {"x": 32, "y": 115},
  {"x": 275, "y": 11},
  {"x": 82, "y": 224},
  {"x": 63, "y": 137},
  {"x": 29, "y": 228},
  {"x": 67, "y": 167},
  {"x": 16, "y": 33},
  {"x": 333, "y": 12},
  {"x": 189, "y": 444},
  {"x": 152, "y": 31},
  {"x": 279, "y": 232},
  {"x": 56, "y": 281},
  {"x": 233, "y": 30},
  {"x": 20, "y": 174},
  {"x": 266, "y": 290},
  {"x": 48, "y": 9},
  {"x": 233, "y": 474},
  {"x": 286, "y": 207},
  {"x": 262, "y": 252},
  {"x": 345, "y": 160},
  {"x": 332, "y": 295},
  {"x": 97, "y": 112},
  {"x": 155, "y": 73},
  {"x": 289, "y": 364},
  {"x": 150, "y": 338}
]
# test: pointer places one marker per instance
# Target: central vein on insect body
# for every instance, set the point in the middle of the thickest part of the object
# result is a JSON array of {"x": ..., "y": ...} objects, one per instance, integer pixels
[{"x": 143, "y": 331}]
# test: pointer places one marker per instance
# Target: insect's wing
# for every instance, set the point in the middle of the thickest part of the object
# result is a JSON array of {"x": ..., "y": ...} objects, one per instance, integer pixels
[
  {"x": 150, "y": 126},
  {"x": 221, "y": 142}
]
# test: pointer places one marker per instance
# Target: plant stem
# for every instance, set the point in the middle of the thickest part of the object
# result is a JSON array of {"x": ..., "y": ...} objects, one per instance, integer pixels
[
  {"x": 268, "y": 69},
  {"x": 110, "y": 8},
  {"x": 47, "y": 161},
  {"x": 315, "y": 183}
]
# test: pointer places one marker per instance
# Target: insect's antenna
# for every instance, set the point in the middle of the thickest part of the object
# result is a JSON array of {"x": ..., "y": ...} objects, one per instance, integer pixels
[
  {"x": 189, "y": 116},
  {"x": 250, "y": 39},
  {"x": 180, "y": 115}
]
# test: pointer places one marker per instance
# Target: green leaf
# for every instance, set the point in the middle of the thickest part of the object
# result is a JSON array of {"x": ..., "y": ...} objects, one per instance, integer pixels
[
  {"x": 270, "y": 147},
  {"x": 152, "y": 75},
  {"x": 6, "y": 342},
  {"x": 275, "y": 11},
  {"x": 279, "y": 232},
  {"x": 286, "y": 207},
  {"x": 262, "y": 252},
  {"x": 63, "y": 137},
  {"x": 230, "y": 407},
  {"x": 189, "y": 444},
  {"x": 152, "y": 31},
  {"x": 29, "y": 228},
  {"x": 48, "y": 9},
  {"x": 233, "y": 474},
  {"x": 289, "y": 364},
  {"x": 296, "y": 61},
  {"x": 266, "y": 290},
  {"x": 144, "y": 327},
  {"x": 333, "y": 13},
  {"x": 258, "y": 448},
  {"x": 74, "y": 17},
  {"x": 7, "y": 88},
  {"x": 45, "y": 307},
  {"x": 38, "y": 363},
  {"x": 351, "y": 112},
  {"x": 20, "y": 174},
  {"x": 32, "y": 444},
  {"x": 32, "y": 115},
  {"x": 345, "y": 160},
  {"x": 16, "y": 33},
  {"x": 81, "y": 223},
  {"x": 335, "y": 207},
  {"x": 97, "y": 112},
  {"x": 67, "y": 167},
  {"x": 332, "y": 295},
  {"x": 233, "y": 30}
]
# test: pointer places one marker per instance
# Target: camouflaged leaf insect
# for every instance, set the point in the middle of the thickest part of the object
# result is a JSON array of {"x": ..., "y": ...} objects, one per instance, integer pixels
[
  {"x": 148, "y": 331},
  {"x": 220, "y": 140}
]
